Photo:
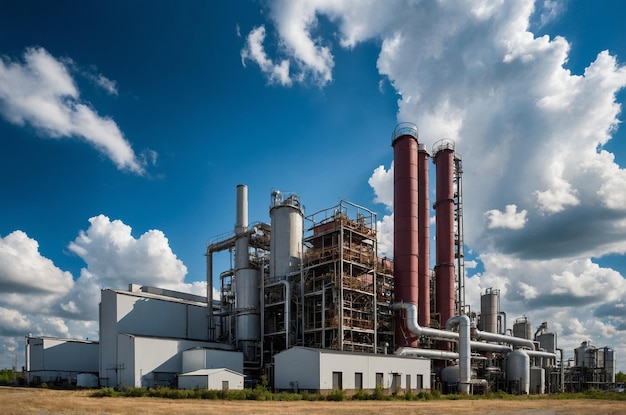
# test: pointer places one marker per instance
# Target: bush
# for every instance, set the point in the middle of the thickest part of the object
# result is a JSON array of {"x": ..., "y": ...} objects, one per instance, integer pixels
[
  {"x": 286, "y": 396},
  {"x": 337, "y": 395},
  {"x": 379, "y": 394},
  {"x": 360, "y": 395},
  {"x": 308, "y": 396},
  {"x": 104, "y": 392},
  {"x": 259, "y": 393}
]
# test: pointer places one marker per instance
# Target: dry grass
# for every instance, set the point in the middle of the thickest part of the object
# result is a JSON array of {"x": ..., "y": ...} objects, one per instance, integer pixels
[{"x": 43, "y": 401}]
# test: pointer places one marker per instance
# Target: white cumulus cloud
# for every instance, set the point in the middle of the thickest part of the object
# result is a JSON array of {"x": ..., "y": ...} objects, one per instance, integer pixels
[
  {"x": 509, "y": 219},
  {"x": 40, "y": 92}
]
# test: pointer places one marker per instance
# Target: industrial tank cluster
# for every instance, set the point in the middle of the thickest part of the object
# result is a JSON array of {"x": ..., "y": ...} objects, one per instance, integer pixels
[{"x": 324, "y": 285}]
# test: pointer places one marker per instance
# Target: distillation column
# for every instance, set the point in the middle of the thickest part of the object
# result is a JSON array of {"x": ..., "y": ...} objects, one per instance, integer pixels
[
  {"x": 423, "y": 237},
  {"x": 247, "y": 299},
  {"x": 443, "y": 157},
  {"x": 405, "y": 234}
]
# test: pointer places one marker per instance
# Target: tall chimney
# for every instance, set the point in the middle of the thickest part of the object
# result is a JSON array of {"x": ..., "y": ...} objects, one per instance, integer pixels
[
  {"x": 423, "y": 218},
  {"x": 443, "y": 157},
  {"x": 405, "y": 234}
]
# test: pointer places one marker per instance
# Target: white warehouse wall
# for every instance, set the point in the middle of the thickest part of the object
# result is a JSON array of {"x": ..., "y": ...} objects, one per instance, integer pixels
[
  {"x": 197, "y": 359},
  {"x": 50, "y": 358},
  {"x": 145, "y": 314},
  {"x": 313, "y": 369},
  {"x": 141, "y": 360}
]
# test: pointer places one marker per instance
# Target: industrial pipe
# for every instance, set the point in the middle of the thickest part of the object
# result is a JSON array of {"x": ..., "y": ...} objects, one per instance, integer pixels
[
  {"x": 429, "y": 353},
  {"x": 415, "y": 328},
  {"x": 463, "y": 322},
  {"x": 494, "y": 337}
]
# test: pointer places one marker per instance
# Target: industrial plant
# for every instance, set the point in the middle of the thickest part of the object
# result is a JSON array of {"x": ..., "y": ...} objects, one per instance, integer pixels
[{"x": 309, "y": 303}]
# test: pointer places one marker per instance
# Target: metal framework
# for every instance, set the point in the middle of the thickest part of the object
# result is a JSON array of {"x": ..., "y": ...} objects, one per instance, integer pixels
[{"x": 347, "y": 288}]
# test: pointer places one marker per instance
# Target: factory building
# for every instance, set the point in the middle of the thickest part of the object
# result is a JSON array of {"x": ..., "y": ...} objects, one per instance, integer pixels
[
  {"x": 310, "y": 303},
  {"x": 60, "y": 361}
]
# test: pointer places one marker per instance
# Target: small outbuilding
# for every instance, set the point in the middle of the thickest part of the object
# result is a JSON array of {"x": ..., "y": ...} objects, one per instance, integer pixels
[{"x": 217, "y": 379}]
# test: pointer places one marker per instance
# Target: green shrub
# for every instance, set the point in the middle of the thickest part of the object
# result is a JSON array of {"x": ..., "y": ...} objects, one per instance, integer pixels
[
  {"x": 379, "y": 394},
  {"x": 410, "y": 396},
  {"x": 308, "y": 396},
  {"x": 337, "y": 395},
  {"x": 360, "y": 395},
  {"x": 104, "y": 392},
  {"x": 286, "y": 396}
]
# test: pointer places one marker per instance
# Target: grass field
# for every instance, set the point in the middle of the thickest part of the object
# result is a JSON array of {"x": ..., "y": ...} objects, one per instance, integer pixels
[{"x": 46, "y": 401}]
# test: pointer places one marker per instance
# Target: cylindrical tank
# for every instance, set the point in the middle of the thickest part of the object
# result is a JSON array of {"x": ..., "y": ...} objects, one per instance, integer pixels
[
  {"x": 609, "y": 364},
  {"x": 423, "y": 218},
  {"x": 523, "y": 328},
  {"x": 450, "y": 374},
  {"x": 585, "y": 355},
  {"x": 518, "y": 371},
  {"x": 443, "y": 157},
  {"x": 286, "y": 216},
  {"x": 537, "y": 380},
  {"x": 405, "y": 235},
  {"x": 489, "y": 310}
]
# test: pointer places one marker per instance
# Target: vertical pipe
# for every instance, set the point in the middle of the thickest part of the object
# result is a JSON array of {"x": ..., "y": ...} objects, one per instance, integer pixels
[
  {"x": 423, "y": 237},
  {"x": 241, "y": 224},
  {"x": 405, "y": 235},
  {"x": 464, "y": 350},
  {"x": 209, "y": 294},
  {"x": 444, "y": 207}
]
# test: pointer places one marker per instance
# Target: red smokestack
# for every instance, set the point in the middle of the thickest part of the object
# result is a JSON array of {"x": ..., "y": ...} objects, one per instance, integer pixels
[
  {"x": 444, "y": 209},
  {"x": 423, "y": 218},
  {"x": 405, "y": 234}
]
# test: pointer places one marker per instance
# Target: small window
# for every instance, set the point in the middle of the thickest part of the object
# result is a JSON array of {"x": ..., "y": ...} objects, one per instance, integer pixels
[
  {"x": 408, "y": 382},
  {"x": 224, "y": 385},
  {"x": 358, "y": 380}
]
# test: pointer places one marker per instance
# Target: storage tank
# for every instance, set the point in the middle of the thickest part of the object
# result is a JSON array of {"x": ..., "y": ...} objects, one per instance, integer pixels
[
  {"x": 585, "y": 355},
  {"x": 450, "y": 374},
  {"x": 287, "y": 218},
  {"x": 609, "y": 363},
  {"x": 518, "y": 371},
  {"x": 523, "y": 328},
  {"x": 537, "y": 380},
  {"x": 489, "y": 310}
]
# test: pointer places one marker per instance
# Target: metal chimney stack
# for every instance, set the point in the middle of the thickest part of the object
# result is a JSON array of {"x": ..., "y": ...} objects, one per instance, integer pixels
[
  {"x": 443, "y": 157},
  {"x": 423, "y": 218},
  {"x": 405, "y": 234}
]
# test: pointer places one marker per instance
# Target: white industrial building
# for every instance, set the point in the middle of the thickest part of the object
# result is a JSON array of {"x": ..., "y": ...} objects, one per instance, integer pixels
[
  {"x": 145, "y": 331},
  {"x": 218, "y": 379},
  {"x": 324, "y": 370},
  {"x": 53, "y": 359}
]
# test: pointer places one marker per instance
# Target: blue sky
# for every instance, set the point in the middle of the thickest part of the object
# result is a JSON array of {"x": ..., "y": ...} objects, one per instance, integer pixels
[{"x": 126, "y": 126}]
